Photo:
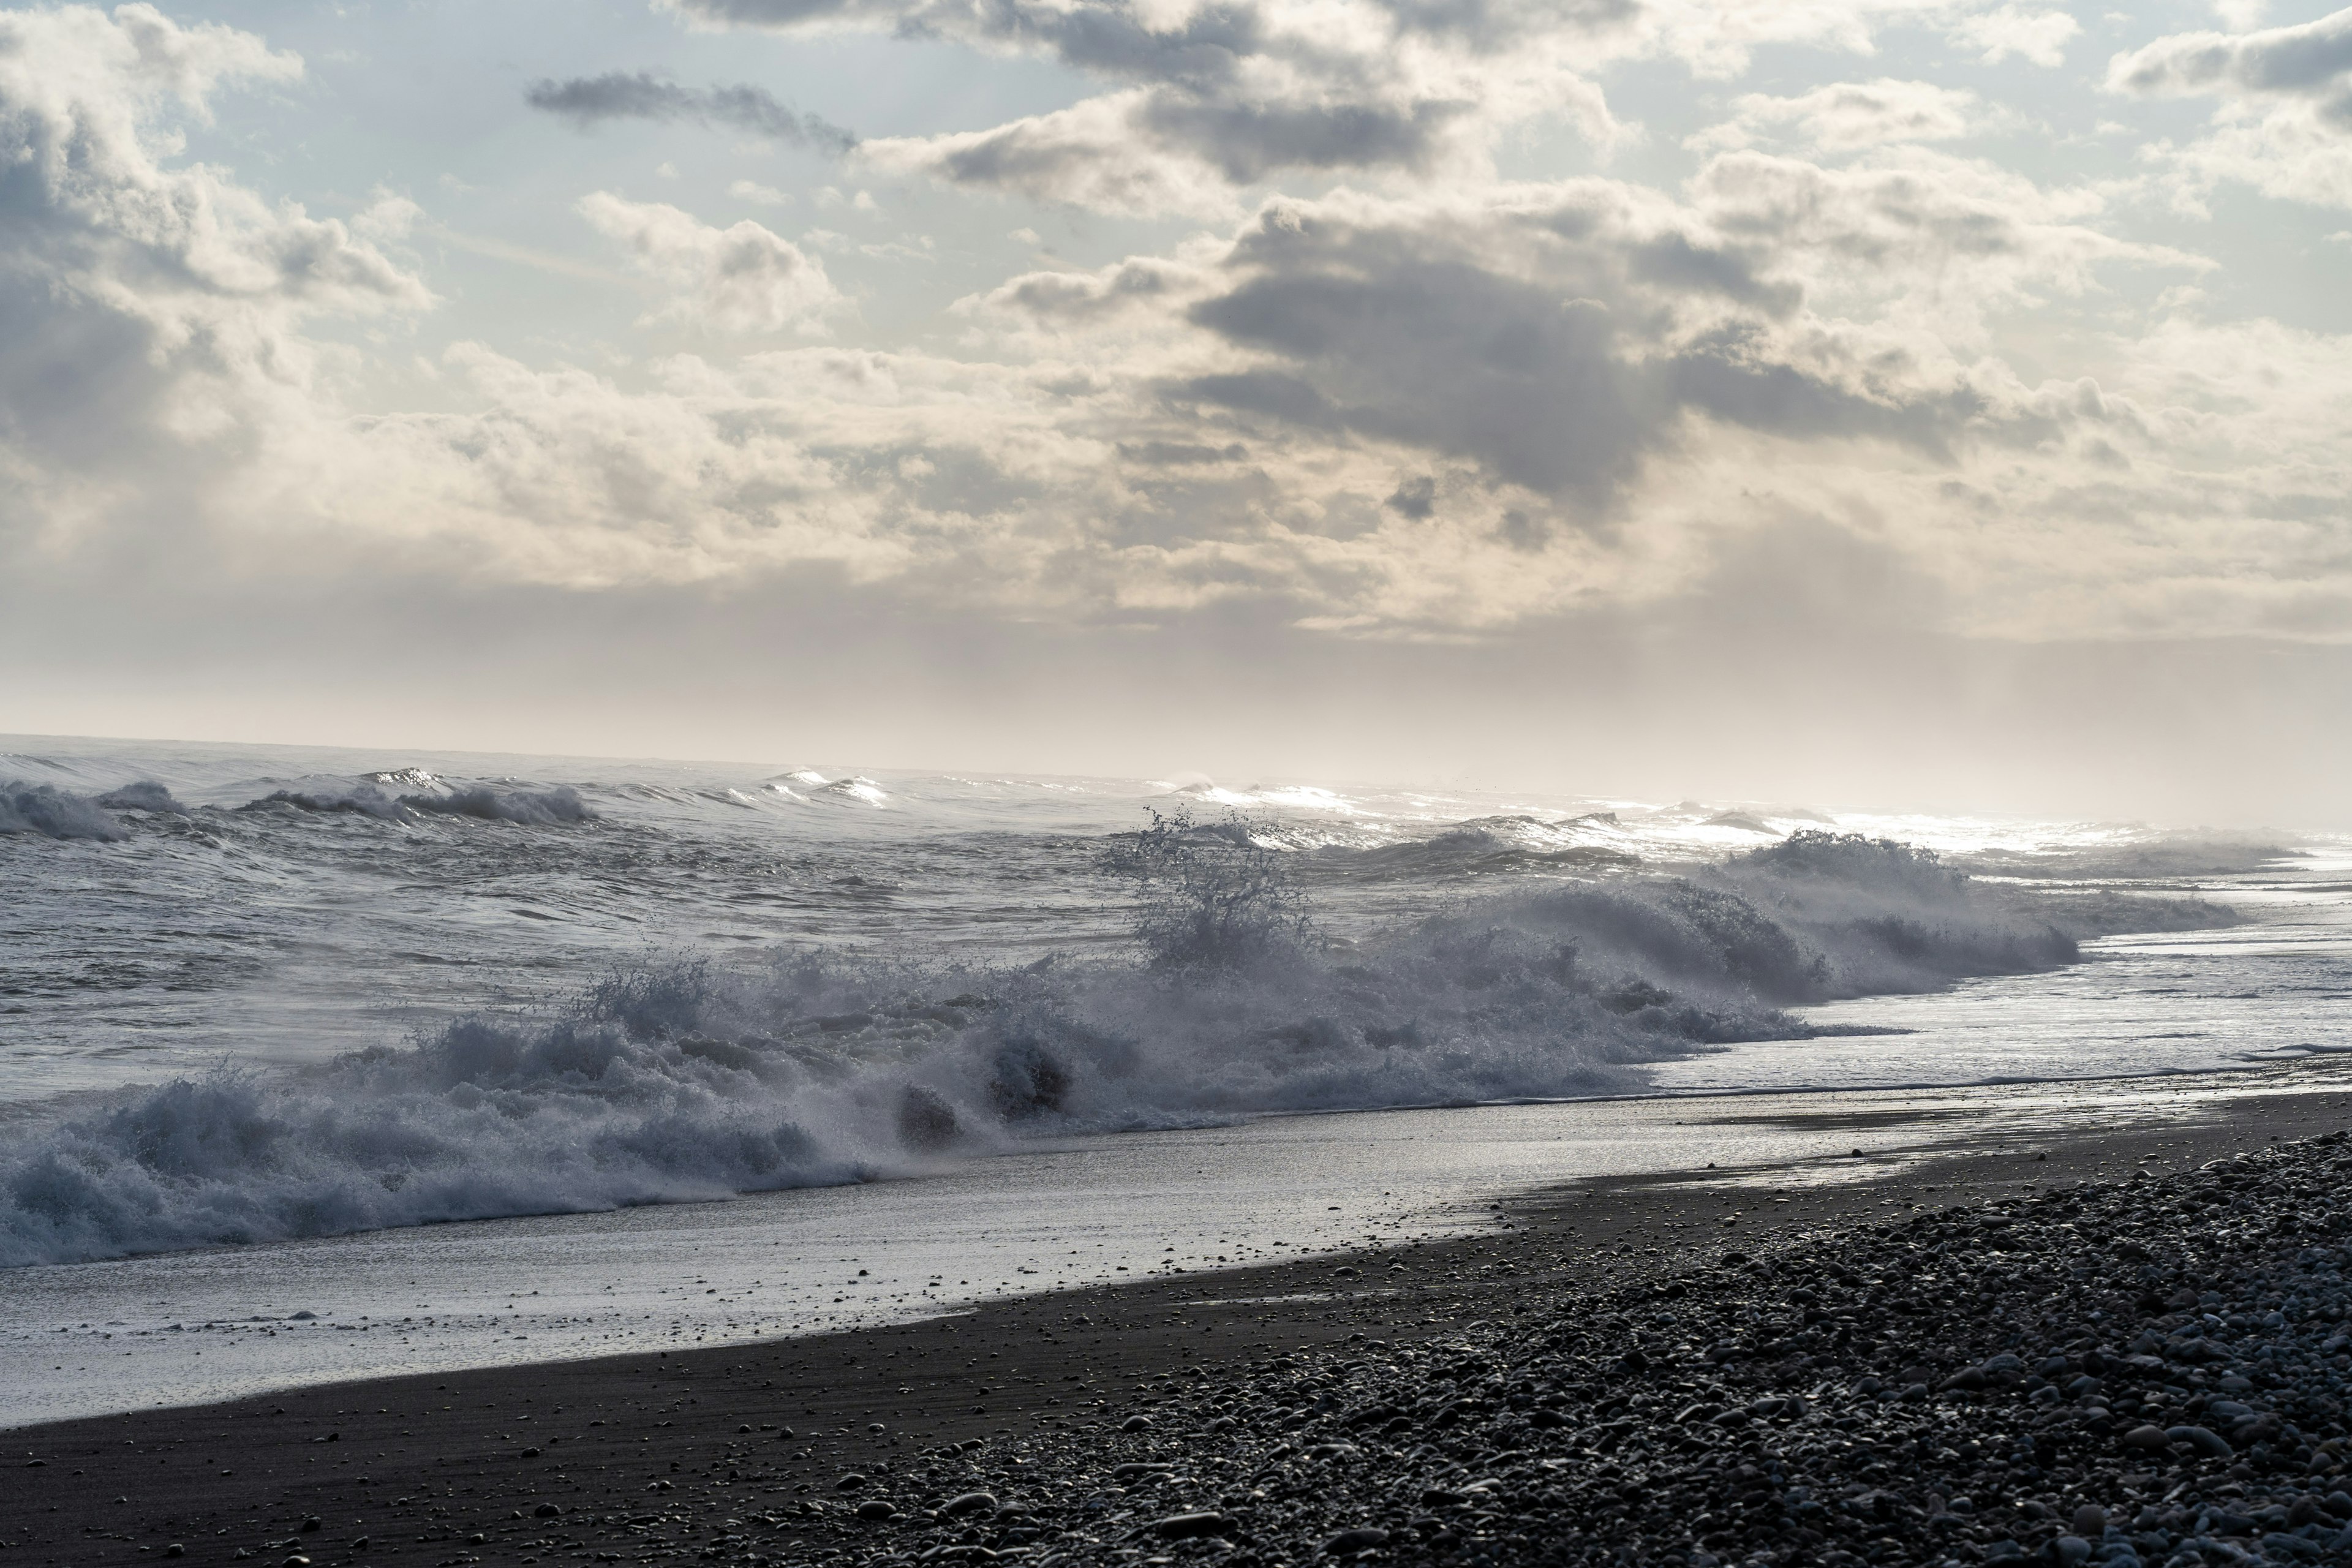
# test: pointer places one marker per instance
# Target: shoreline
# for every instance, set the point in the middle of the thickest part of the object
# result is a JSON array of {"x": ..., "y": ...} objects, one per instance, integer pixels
[
  {"x": 444, "y": 1298},
  {"x": 620, "y": 1436}
]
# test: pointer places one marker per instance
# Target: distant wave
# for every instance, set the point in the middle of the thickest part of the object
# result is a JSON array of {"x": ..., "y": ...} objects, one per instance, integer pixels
[
  {"x": 145, "y": 795},
  {"x": 530, "y": 807},
  {"x": 533, "y": 807},
  {"x": 50, "y": 812},
  {"x": 1489, "y": 845},
  {"x": 683, "y": 1080}
]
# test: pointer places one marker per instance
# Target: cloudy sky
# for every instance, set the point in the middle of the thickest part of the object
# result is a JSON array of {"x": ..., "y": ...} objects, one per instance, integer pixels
[{"x": 1870, "y": 400}]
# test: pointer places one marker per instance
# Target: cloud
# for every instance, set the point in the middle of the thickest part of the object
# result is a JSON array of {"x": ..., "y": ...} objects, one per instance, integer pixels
[
  {"x": 1914, "y": 237},
  {"x": 1163, "y": 151},
  {"x": 151, "y": 316},
  {"x": 1432, "y": 409},
  {"x": 1557, "y": 341},
  {"x": 2284, "y": 122},
  {"x": 1209, "y": 101},
  {"x": 588, "y": 101},
  {"x": 2313, "y": 61},
  {"x": 2038, "y": 38},
  {"x": 743, "y": 278},
  {"x": 1847, "y": 116}
]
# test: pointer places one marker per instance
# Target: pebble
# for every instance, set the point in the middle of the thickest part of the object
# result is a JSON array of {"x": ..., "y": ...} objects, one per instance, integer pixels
[
  {"x": 1185, "y": 1526},
  {"x": 2208, "y": 1443},
  {"x": 1362, "y": 1539}
]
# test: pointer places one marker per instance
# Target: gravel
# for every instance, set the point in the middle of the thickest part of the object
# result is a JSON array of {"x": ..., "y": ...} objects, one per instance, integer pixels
[{"x": 2150, "y": 1372}]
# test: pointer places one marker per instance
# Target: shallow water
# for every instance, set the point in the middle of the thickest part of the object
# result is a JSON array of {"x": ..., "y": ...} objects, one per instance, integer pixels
[{"x": 2271, "y": 990}]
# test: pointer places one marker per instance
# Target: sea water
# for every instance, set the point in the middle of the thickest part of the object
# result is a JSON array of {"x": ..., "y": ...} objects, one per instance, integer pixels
[{"x": 396, "y": 1041}]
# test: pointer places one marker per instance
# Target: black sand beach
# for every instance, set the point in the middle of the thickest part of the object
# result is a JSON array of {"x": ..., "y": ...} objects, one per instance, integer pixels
[{"x": 1953, "y": 1357}]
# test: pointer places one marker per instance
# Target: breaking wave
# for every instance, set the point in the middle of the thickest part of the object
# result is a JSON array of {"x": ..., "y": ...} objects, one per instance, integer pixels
[
  {"x": 48, "y": 812},
  {"x": 528, "y": 807},
  {"x": 682, "y": 1080},
  {"x": 531, "y": 807}
]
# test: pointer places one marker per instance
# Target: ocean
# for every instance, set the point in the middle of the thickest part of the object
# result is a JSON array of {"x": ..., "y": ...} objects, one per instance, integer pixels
[{"x": 321, "y": 1064}]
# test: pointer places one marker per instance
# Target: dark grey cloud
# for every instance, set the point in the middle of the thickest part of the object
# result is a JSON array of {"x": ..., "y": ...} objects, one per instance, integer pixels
[
  {"x": 1181, "y": 454},
  {"x": 587, "y": 101},
  {"x": 1489, "y": 24},
  {"x": 1563, "y": 380},
  {"x": 1247, "y": 142},
  {"x": 1070, "y": 297},
  {"x": 1200, "y": 52},
  {"x": 1415, "y": 499}
]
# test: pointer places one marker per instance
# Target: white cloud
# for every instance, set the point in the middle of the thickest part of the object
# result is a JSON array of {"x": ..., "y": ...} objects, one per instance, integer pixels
[
  {"x": 387, "y": 220},
  {"x": 1849, "y": 115},
  {"x": 2038, "y": 38},
  {"x": 743, "y": 278},
  {"x": 148, "y": 315},
  {"x": 765, "y": 196},
  {"x": 2283, "y": 125}
]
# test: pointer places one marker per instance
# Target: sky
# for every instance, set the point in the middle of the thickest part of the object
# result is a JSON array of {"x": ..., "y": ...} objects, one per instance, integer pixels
[{"x": 1867, "y": 401}]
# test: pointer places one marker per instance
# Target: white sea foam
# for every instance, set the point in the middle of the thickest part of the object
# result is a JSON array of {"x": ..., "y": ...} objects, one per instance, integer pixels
[{"x": 865, "y": 792}]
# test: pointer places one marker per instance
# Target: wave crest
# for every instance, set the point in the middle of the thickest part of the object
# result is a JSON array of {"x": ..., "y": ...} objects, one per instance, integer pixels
[{"x": 48, "y": 812}]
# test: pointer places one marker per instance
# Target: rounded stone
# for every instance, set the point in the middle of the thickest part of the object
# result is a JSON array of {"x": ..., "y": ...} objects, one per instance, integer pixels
[{"x": 1350, "y": 1542}]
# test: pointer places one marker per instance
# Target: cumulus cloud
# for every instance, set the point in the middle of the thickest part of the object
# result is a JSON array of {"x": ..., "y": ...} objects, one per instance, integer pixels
[
  {"x": 588, "y": 101},
  {"x": 2038, "y": 38},
  {"x": 150, "y": 315},
  {"x": 2284, "y": 123},
  {"x": 743, "y": 278},
  {"x": 1847, "y": 116},
  {"x": 2313, "y": 61},
  {"x": 1555, "y": 341}
]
